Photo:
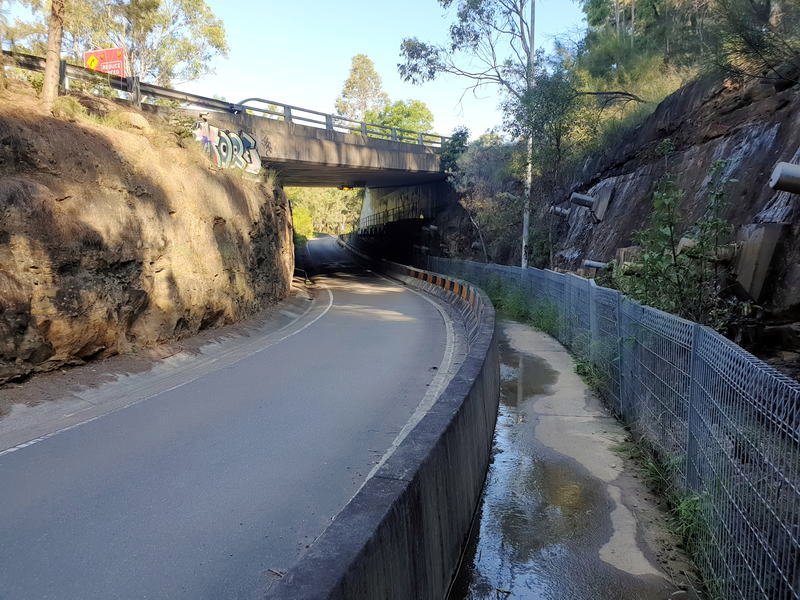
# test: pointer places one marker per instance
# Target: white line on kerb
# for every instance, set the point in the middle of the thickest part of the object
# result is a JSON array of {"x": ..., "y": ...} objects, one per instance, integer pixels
[
  {"x": 438, "y": 383},
  {"x": 138, "y": 400}
]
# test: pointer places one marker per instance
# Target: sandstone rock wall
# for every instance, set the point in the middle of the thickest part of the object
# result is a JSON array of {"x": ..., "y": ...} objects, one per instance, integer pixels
[
  {"x": 115, "y": 238},
  {"x": 751, "y": 126}
]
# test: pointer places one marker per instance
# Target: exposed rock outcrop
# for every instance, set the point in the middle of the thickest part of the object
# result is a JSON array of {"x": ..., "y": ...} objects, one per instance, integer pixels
[
  {"x": 752, "y": 126},
  {"x": 115, "y": 238}
]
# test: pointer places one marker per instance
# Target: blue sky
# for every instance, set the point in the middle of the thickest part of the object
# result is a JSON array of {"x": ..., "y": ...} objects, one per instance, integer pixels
[{"x": 299, "y": 51}]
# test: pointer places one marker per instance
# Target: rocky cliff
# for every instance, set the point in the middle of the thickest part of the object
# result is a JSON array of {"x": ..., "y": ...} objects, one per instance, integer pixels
[
  {"x": 116, "y": 237},
  {"x": 751, "y": 126}
]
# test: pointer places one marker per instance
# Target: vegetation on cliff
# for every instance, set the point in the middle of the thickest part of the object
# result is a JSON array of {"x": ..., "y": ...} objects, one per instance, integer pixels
[{"x": 588, "y": 95}]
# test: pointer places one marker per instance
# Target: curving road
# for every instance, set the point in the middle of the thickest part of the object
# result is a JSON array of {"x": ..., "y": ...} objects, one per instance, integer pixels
[{"x": 212, "y": 481}]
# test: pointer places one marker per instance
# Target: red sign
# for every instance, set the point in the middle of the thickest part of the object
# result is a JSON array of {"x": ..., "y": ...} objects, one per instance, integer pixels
[{"x": 110, "y": 60}]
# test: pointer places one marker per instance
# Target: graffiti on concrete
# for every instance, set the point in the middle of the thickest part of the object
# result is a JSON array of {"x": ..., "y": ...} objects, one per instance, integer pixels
[{"x": 228, "y": 149}]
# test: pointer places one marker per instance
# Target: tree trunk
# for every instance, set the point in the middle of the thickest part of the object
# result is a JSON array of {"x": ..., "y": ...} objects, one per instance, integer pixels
[
  {"x": 55, "y": 31},
  {"x": 3, "y": 81},
  {"x": 526, "y": 208}
]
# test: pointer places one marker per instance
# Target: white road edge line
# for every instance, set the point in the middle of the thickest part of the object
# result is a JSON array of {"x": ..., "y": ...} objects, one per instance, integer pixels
[
  {"x": 437, "y": 386},
  {"x": 188, "y": 381}
]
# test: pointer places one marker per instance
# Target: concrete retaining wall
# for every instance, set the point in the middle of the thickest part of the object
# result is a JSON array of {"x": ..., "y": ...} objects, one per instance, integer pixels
[{"x": 402, "y": 535}]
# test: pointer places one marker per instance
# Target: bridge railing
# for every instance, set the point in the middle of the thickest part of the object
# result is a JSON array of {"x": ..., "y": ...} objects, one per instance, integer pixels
[
  {"x": 305, "y": 116},
  {"x": 411, "y": 210},
  {"x": 268, "y": 108}
]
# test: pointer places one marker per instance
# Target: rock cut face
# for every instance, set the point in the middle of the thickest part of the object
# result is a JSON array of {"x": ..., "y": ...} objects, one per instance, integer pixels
[
  {"x": 115, "y": 238},
  {"x": 749, "y": 126}
]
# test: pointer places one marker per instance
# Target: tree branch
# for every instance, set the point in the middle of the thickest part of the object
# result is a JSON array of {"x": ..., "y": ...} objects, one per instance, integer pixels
[{"x": 613, "y": 95}]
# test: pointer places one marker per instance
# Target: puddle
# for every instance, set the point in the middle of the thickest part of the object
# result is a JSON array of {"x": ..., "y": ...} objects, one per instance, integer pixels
[
  {"x": 523, "y": 376},
  {"x": 543, "y": 517}
]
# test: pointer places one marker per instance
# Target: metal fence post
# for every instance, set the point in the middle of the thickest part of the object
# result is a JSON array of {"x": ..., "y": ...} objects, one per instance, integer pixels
[
  {"x": 364, "y": 131},
  {"x": 593, "y": 329},
  {"x": 565, "y": 325},
  {"x": 620, "y": 356},
  {"x": 287, "y": 114},
  {"x": 329, "y": 122},
  {"x": 134, "y": 90},
  {"x": 693, "y": 400},
  {"x": 63, "y": 81}
]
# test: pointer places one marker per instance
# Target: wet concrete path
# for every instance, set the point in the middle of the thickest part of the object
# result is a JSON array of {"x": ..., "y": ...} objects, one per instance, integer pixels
[{"x": 562, "y": 516}]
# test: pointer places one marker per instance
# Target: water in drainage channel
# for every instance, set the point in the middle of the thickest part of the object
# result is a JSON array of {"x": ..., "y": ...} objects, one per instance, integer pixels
[{"x": 545, "y": 518}]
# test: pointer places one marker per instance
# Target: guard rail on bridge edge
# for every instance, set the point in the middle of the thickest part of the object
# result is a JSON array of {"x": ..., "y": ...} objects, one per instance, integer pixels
[
  {"x": 402, "y": 535},
  {"x": 270, "y": 110}
]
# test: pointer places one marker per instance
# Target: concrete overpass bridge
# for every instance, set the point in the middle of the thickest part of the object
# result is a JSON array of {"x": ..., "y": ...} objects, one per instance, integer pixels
[
  {"x": 310, "y": 148},
  {"x": 400, "y": 169}
]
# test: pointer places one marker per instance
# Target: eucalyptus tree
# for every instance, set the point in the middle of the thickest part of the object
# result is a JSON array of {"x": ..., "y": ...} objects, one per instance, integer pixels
[
  {"x": 491, "y": 44},
  {"x": 165, "y": 41},
  {"x": 362, "y": 90},
  {"x": 412, "y": 115}
]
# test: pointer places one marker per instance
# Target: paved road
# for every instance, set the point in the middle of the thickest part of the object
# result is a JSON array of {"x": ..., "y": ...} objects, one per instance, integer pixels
[{"x": 197, "y": 492}]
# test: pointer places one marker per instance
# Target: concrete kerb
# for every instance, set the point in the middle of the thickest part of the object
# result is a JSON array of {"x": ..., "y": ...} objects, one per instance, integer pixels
[{"x": 403, "y": 533}]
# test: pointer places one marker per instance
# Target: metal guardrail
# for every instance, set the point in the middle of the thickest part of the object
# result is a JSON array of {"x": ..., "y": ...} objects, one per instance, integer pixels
[
  {"x": 270, "y": 110},
  {"x": 726, "y": 422},
  {"x": 406, "y": 211}
]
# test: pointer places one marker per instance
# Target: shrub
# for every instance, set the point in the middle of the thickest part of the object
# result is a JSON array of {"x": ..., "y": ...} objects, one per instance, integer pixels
[
  {"x": 303, "y": 226},
  {"x": 68, "y": 107}
]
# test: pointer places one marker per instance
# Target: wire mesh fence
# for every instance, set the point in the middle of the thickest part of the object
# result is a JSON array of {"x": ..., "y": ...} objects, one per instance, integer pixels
[{"x": 726, "y": 423}]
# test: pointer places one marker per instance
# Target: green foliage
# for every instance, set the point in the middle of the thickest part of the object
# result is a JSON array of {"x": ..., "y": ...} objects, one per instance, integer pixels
[
  {"x": 622, "y": 32},
  {"x": 331, "y": 210},
  {"x": 36, "y": 80},
  {"x": 182, "y": 125},
  {"x": 302, "y": 222},
  {"x": 629, "y": 39},
  {"x": 685, "y": 280},
  {"x": 554, "y": 115},
  {"x": 362, "y": 91},
  {"x": 165, "y": 40},
  {"x": 488, "y": 177},
  {"x": 413, "y": 115},
  {"x": 759, "y": 39},
  {"x": 687, "y": 511},
  {"x": 513, "y": 303},
  {"x": 452, "y": 150},
  {"x": 659, "y": 475},
  {"x": 689, "y": 518},
  {"x": 540, "y": 246},
  {"x": 490, "y": 43},
  {"x": 591, "y": 375}
]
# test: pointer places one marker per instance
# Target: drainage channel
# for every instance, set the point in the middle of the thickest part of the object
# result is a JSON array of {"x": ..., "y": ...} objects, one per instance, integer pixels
[{"x": 556, "y": 520}]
